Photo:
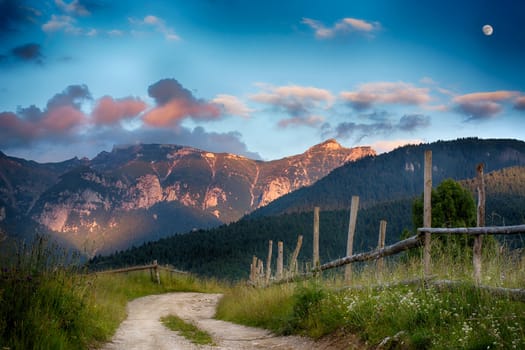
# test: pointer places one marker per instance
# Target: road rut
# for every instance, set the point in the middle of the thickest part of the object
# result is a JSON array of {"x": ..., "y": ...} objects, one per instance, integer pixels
[{"x": 142, "y": 330}]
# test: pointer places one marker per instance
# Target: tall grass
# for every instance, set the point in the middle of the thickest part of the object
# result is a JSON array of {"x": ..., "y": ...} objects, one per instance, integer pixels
[
  {"x": 48, "y": 302},
  {"x": 415, "y": 316},
  {"x": 44, "y": 301}
]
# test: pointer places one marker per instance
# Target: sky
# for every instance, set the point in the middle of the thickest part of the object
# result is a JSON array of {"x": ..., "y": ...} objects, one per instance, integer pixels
[{"x": 262, "y": 79}]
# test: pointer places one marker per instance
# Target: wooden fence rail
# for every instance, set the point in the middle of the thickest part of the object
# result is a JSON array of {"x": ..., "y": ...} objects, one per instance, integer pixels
[
  {"x": 396, "y": 248},
  {"x": 490, "y": 230},
  {"x": 154, "y": 269},
  {"x": 422, "y": 238}
]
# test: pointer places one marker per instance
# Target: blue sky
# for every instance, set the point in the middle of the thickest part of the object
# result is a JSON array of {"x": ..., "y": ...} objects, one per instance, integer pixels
[{"x": 264, "y": 79}]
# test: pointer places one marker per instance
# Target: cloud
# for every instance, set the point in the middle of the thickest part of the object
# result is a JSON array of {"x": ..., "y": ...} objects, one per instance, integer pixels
[
  {"x": 58, "y": 23},
  {"x": 413, "y": 122},
  {"x": 166, "y": 90},
  {"x": 28, "y": 52},
  {"x": 14, "y": 131},
  {"x": 198, "y": 137},
  {"x": 381, "y": 125},
  {"x": 158, "y": 24},
  {"x": 15, "y": 15},
  {"x": 232, "y": 105},
  {"x": 109, "y": 111},
  {"x": 229, "y": 142},
  {"x": 312, "y": 121},
  {"x": 483, "y": 105},
  {"x": 31, "y": 131},
  {"x": 427, "y": 81},
  {"x": 73, "y": 95},
  {"x": 299, "y": 102},
  {"x": 115, "y": 32},
  {"x": 74, "y": 7},
  {"x": 370, "y": 94},
  {"x": 60, "y": 120},
  {"x": 519, "y": 103},
  {"x": 341, "y": 27},
  {"x": 175, "y": 103}
]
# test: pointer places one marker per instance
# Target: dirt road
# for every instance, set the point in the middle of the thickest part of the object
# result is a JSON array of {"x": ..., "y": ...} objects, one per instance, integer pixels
[{"x": 142, "y": 329}]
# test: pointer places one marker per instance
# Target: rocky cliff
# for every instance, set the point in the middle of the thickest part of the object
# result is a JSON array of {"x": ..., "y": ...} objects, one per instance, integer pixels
[{"x": 136, "y": 193}]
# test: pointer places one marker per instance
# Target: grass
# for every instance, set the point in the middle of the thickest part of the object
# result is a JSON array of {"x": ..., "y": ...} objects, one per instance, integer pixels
[
  {"x": 187, "y": 330},
  {"x": 403, "y": 316},
  {"x": 48, "y": 302}
]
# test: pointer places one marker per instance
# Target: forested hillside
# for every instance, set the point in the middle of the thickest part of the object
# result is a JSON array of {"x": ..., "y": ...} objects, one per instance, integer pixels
[
  {"x": 226, "y": 251},
  {"x": 399, "y": 174}
]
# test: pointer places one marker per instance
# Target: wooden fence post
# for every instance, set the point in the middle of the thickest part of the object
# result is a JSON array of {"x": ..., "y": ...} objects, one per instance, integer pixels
[
  {"x": 315, "y": 260},
  {"x": 269, "y": 262},
  {"x": 280, "y": 250},
  {"x": 293, "y": 263},
  {"x": 156, "y": 271},
  {"x": 427, "y": 211},
  {"x": 478, "y": 239},
  {"x": 253, "y": 267},
  {"x": 351, "y": 232},
  {"x": 260, "y": 271},
  {"x": 381, "y": 245}
]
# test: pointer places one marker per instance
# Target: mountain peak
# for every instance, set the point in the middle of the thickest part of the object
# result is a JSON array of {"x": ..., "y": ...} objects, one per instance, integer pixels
[{"x": 330, "y": 144}]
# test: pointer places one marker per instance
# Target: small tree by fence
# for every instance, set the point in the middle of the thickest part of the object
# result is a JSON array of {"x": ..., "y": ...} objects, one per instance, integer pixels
[{"x": 422, "y": 238}]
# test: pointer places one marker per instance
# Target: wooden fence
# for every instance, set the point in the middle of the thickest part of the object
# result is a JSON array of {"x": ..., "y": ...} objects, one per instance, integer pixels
[
  {"x": 153, "y": 268},
  {"x": 422, "y": 238}
]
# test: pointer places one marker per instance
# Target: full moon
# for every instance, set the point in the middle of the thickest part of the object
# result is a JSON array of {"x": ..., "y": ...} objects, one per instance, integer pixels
[{"x": 487, "y": 29}]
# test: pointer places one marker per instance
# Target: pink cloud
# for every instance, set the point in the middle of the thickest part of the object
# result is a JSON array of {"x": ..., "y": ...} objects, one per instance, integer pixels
[
  {"x": 16, "y": 130},
  {"x": 300, "y": 102},
  {"x": 109, "y": 110},
  {"x": 176, "y": 110},
  {"x": 294, "y": 98},
  {"x": 386, "y": 93},
  {"x": 62, "y": 119},
  {"x": 232, "y": 105},
  {"x": 492, "y": 96},
  {"x": 359, "y": 24},
  {"x": 13, "y": 129},
  {"x": 483, "y": 105}
]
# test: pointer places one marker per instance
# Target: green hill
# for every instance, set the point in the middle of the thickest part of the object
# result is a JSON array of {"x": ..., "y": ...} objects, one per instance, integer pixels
[{"x": 227, "y": 251}]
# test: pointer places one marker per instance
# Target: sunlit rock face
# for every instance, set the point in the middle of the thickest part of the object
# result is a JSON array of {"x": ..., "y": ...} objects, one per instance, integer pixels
[{"x": 182, "y": 188}]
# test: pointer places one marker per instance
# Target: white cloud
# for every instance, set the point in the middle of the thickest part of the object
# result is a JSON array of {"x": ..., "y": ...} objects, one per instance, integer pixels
[
  {"x": 60, "y": 23},
  {"x": 343, "y": 26},
  {"x": 74, "y": 7},
  {"x": 158, "y": 24}
]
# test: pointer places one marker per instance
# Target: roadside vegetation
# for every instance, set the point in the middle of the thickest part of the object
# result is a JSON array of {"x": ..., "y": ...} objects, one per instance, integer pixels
[
  {"x": 48, "y": 302},
  {"x": 398, "y": 315},
  {"x": 397, "y": 308}
]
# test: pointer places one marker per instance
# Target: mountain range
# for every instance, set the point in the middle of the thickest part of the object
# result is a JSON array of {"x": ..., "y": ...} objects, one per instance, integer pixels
[
  {"x": 387, "y": 185},
  {"x": 144, "y": 192}
]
